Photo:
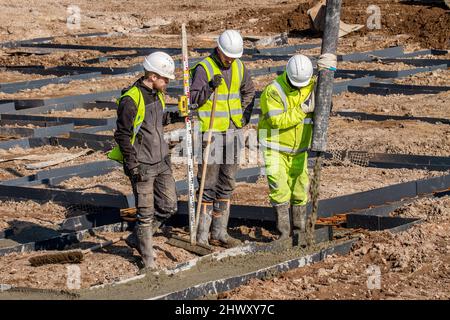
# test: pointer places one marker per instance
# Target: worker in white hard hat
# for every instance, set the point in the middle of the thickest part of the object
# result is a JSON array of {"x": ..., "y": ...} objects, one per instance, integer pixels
[
  {"x": 144, "y": 152},
  {"x": 225, "y": 71},
  {"x": 285, "y": 134}
]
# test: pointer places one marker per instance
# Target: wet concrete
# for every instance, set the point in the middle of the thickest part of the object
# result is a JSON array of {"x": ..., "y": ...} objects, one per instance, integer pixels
[{"x": 207, "y": 269}]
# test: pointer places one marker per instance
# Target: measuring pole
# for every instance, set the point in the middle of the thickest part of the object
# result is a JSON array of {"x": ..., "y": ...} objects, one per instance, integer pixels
[{"x": 189, "y": 149}]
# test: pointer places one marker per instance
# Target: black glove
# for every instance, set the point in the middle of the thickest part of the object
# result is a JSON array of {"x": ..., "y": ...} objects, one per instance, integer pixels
[
  {"x": 215, "y": 82},
  {"x": 171, "y": 117},
  {"x": 137, "y": 173}
]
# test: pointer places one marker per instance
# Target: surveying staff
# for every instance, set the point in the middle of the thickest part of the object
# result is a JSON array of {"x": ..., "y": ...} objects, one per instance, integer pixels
[
  {"x": 145, "y": 153},
  {"x": 236, "y": 94},
  {"x": 285, "y": 133}
]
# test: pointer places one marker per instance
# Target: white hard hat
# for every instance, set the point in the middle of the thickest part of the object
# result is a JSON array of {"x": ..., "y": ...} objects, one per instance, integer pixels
[
  {"x": 160, "y": 63},
  {"x": 299, "y": 70},
  {"x": 231, "y": 44}
]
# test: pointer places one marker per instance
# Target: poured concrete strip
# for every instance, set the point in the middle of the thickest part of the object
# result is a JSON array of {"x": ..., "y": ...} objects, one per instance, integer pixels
[{"x": 226, "y": 284}]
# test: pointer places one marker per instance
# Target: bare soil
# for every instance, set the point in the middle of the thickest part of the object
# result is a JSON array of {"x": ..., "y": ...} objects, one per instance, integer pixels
[
  {"x": 84, "y": 113},
  {"x": 411, "y": 265},
  {"x": 391, "y": 136},
  {"x": 414, "y": 264}
]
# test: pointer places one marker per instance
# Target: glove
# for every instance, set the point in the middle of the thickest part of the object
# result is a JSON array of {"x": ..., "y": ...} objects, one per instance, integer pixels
[
  {"x": 137, "y": 173},
  {"x": 308, "y": 106},
  {"x": 215, "y": 82},
  {"x": 172, "y": 117}
]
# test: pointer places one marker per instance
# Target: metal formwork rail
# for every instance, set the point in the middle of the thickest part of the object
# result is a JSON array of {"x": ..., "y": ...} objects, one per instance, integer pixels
[
  {"x": 43, "y": 129},
  {"x": 34, "y": 84},
  {"x": 382, "y": 117}
]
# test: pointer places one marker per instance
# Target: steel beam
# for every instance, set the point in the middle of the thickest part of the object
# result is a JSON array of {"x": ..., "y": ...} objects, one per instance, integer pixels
[
  {"x": 75, "y": 121},
  {"x": 385, "y": 90},
  {"x": 388, "y": 74},
  {"x": 34, "y": 84},
  {"x": 47, "y": 129},
  {"x": 376, "y": 223},
  {"x": 62, "y": 241},
  {"x": 382, "y": 117},
  {"x": 419, "y": 62},
  {"x": 370, "y": 55},
  {"x": 76, "y": 99}
]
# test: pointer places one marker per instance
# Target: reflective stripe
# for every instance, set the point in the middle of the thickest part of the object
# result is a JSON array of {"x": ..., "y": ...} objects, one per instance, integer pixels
[
  {"x": 277, "y": 147},
  {"x": 240, "y": 66},
  {"x": 235, "y": 112},
  {"x": 273, "y": 113},
  {"x": 220, "y": 114},
  {"x": 209, "y": 67},
  {"x": 281, "y": 94},
  {"x": 136, "y": 129},
  {"x": 225, "y": 97},
  {"x": 277, "y": 112}
]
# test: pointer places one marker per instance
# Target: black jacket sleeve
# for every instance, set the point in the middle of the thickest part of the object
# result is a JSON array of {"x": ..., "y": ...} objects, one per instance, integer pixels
[
  {"x": 200, "y": 89},
  {"x": 125, "y": 118},
  {"x": 247, "y": 96}
]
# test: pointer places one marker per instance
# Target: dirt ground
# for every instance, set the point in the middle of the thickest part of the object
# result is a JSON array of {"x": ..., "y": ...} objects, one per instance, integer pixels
[
  {"x": 391, "y": 136},
  {"x": 94, "y": 113},
  {"x": 414, "y": 264}
]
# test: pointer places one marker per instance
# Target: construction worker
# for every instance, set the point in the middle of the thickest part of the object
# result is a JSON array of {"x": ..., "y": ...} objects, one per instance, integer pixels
[
  {"x": 285, "y": 133},
  {"x": 222, "y": 70},
  {"x": 145, "y": 153}
]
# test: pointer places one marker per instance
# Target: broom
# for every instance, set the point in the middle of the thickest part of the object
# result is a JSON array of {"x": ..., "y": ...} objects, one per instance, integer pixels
[{"x": 72, "y": 256}]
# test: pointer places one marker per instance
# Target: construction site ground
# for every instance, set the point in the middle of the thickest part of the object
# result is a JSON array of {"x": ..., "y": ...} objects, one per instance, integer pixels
[{"x": 414, "y": 264}]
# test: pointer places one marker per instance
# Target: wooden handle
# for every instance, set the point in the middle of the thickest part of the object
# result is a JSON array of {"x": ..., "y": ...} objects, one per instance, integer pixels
[
  {"x": 103, "y": 244},
  {"x": 206, "y": 158}
]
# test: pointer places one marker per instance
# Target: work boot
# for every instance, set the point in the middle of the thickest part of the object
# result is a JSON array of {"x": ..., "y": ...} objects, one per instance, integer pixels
[
  {"x": 132, "y": 240},
  {"x": 204, "y": 223},
  {"x": 283, "y": 220},
  {"x": 299, "y": 217},
  {"x": 220, "y": 217},
  {"x": 145, "y": 245}
]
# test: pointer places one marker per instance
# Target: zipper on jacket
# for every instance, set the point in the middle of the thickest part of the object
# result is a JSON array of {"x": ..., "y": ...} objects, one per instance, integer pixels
[{"x": 157, "y": 128}]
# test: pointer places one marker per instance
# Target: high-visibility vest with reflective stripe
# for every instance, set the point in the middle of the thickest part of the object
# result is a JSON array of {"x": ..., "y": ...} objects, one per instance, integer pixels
[
  {"x": 135, "y": 94},
  {"x": 297, "y": 138},
  {"x": 228, "y": 105}
]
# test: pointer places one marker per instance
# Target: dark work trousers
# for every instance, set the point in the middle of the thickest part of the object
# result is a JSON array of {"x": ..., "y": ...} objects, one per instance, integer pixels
[
  {"x": 154, "y": 193},
  {"x": 223, "y": 164}
]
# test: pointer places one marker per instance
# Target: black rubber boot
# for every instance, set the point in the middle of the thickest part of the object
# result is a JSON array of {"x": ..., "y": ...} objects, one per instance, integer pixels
[
  {"x": 204, "y": 223},
  {"x": 132, "y": 240},
  {"x": 145, "y": 245},
  {"x": 283, "y": 220},
  {"x": 299, "y": 217},
  {"x": 220, "y": 217},
  {"x": 299, "y": 220}
]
